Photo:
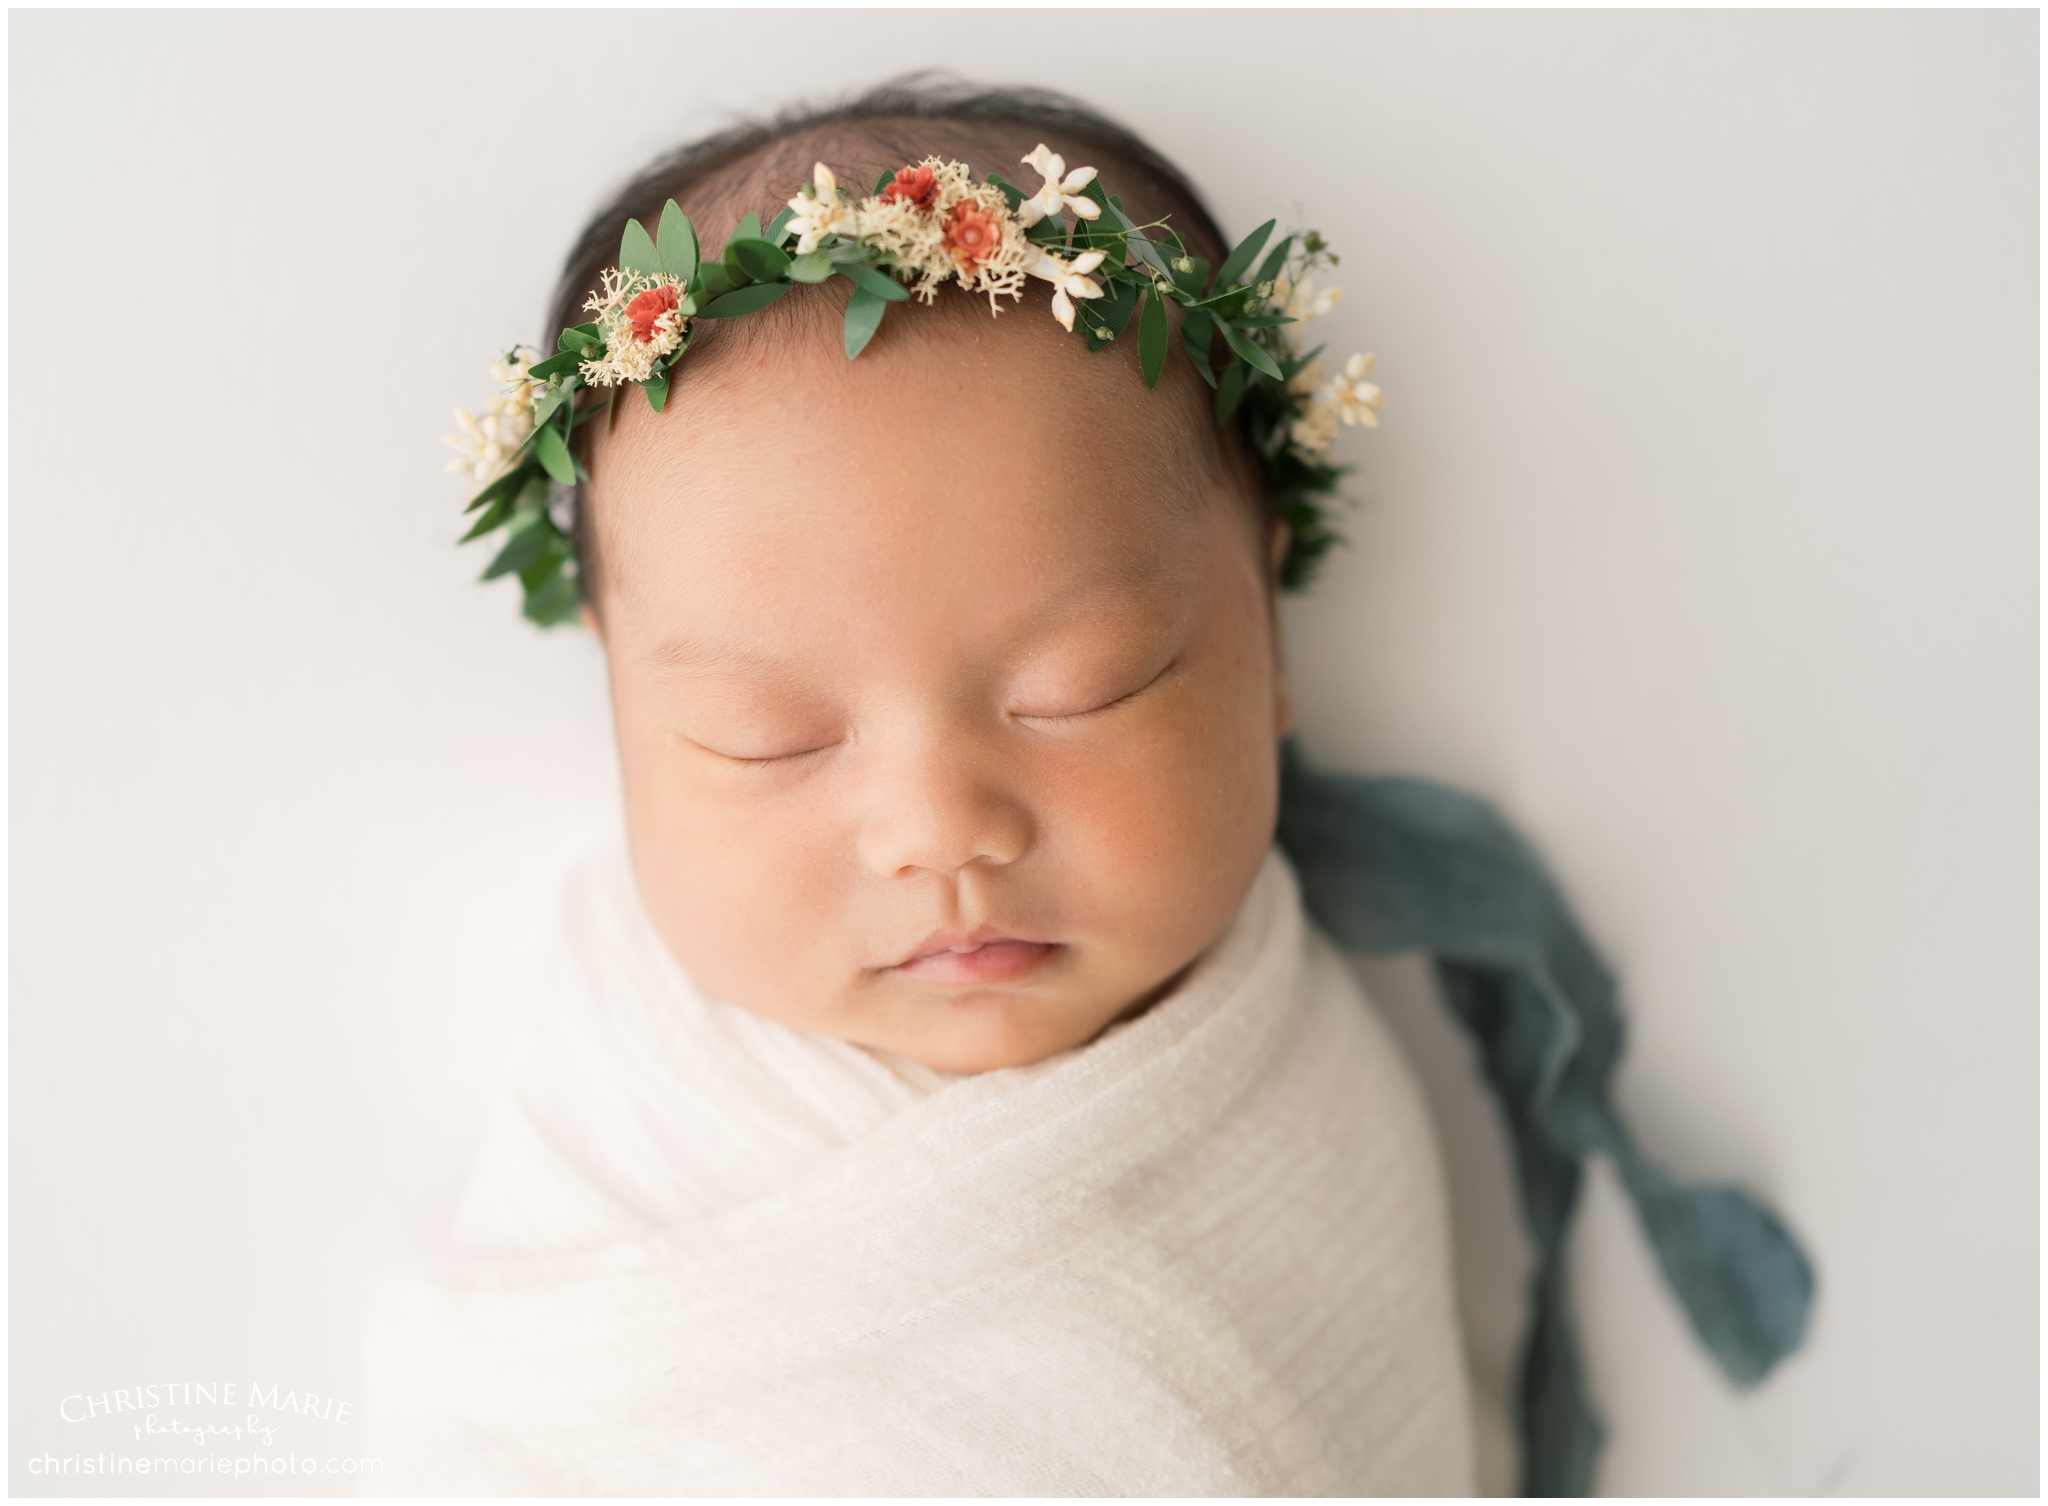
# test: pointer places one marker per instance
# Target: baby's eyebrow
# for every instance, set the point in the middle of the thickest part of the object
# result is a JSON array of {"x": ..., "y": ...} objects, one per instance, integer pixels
[{"x": 710, "y": 654}]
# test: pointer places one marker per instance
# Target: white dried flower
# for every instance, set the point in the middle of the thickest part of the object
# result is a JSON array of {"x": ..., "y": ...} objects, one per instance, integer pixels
[
  {"x": 1300, "y": 301},
  {"x": 485, "y": 445},
  {"x": 822, "y": 215},
  {"x": 1069, "y": 281},
  {"x": 1313, "y": 432},
  {"x": 1062, "y": 188},
  {"x": 1354, "y": 399}
]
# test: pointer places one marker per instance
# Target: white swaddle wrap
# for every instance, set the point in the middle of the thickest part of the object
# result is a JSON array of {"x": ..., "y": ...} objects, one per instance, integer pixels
[{"x": 705, "y": 1254}]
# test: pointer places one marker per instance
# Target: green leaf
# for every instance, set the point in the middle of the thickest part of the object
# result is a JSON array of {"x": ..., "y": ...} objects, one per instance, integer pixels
[
  {"x": 743, "y": 301},
  {"x": 492, "y": 517},
  {"x": 656, "y": 388},
  {"x": 553, "y": 454},
  {"x": 1235, "y": 264},
  {"x": 636, "y": 250},
  {"x": 1229, "y": 391},
  {"x": 1011, "y": 192},
  {"x": 1050, "y": 231},
  {"x": 555, "y": 602},
  {"x": 1246, "y": 348},
  {"x": 558, "y": 365},
  {"x": 778, "y": 228},
  {"x": 758, "y": 258},
  {"x": 677, "y": 248},
  {"x": 527, "y": 544},
  {"x": 864, "y": 312},
  {"x": 1106, "y": 317},
  {"x": 880, "y": 284},
  {"x": 812, "y": 266},
  {"x": 549, "y": 403},
  {"x": 576, "y": 336},
  {"x": 1152, "y": 339},
  {"x": 503, "y": 484},
  {"x": 1292, "y": 369},
  {"x": 748, "y": 229},
  {"x": 712, "y": 282},
  {"x": 1275, "y": 260},
  {"x": 1196, "y": 329},
  {"x": 1141, "y": 243},
  {"x": 883, "y": 182},
  {"x": 1262, "y": 321},
  {"x": 1194, "y": 281}
]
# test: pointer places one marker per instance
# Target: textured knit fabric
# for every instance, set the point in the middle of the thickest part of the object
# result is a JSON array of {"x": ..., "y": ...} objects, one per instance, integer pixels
[{"x": 1205, "y": 1254}]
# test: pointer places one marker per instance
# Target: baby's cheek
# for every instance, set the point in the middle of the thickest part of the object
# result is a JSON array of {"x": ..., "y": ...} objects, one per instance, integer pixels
[
  {"x": 1171, "y": 828},
  {"x": 739, "y": 886}
]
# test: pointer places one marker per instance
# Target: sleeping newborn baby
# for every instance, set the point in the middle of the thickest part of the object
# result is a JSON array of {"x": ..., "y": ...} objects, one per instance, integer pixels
[{"x": 943, "y": 1093}]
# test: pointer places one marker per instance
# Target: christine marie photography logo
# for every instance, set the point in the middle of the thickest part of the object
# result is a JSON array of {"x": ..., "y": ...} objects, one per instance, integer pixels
[{"x": 222, "y": 1430}]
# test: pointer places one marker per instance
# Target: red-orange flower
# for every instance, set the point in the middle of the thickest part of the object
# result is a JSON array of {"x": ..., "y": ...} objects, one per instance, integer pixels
[
  {"x": 647, "y": 307},
  {"x": 972, "y": 234},
  {"x": 914, "y": 185}
]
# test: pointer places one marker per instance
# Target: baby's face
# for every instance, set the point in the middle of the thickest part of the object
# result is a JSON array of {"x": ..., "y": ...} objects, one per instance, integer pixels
[{"x": 945, "y": 684}]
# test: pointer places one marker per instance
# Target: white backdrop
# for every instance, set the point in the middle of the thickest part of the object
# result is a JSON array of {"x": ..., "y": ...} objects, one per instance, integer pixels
[{"x": 1701, "y": 536}]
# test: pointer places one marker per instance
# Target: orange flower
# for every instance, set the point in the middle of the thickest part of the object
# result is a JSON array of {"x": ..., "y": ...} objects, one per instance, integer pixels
[
  {"x": 647, "y": 307},
  {"x": 972, "y": 235},
  {"x": 914, "y": 185}
]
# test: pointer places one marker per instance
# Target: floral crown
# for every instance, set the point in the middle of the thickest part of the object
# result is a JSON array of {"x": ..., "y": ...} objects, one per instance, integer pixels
[{"x": 920, "y": 227}]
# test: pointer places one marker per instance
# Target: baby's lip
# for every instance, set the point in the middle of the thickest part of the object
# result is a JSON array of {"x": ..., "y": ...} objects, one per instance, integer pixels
[{"x": 987, "y": 954}]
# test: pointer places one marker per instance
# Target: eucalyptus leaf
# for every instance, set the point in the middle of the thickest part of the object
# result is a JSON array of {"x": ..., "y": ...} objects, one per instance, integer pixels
[
  {"x": 712, "y": 282},
  {"x": 576, "y": 336},
  {"x": 553, "y": 454},
  {"x": 864, "y": 312},
  {"x": 554, "y": 602},
  {"x": 677, "y": 248},
  {"x": 1196, "y": 329},
  {"x": 526, "y": 545},
  {"x": 1152, "y": 333},
  {"x": 880, "y": 284},
  {"x": 1108, "y": 315},
  {"x": 1246, "y": 347},
  {"x": 547, "y": 565},
  {"x": 557, "y": 365},
  {"x": 491, "y": 517},
  {"x": 656, "y": 388},
  {"x": 1275, "y": 260},
  {"x": 1229, "y": 391},
  {"x": 761, "y": 260},
  {"x": 778, "y": 228},
  {"x": 549, "y": 403},
  {"x": 748, "y": 229},
  {"x": 1235, "y": 265},
  {"x": 498, "y": 487},
  {"x": 812, "y": 266},
  {"x": 743, "y": 301},
  {"x": 636, "y": 250},
  {"x": 1139, "y": 242}
]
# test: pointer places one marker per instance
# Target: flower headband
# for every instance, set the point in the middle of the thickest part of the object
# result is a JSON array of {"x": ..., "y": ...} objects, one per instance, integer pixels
[{"x": 920, "y": 227}]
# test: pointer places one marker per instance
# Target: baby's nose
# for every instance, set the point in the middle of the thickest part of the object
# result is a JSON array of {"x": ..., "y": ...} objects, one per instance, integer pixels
[{"x": 939, "y": 814}]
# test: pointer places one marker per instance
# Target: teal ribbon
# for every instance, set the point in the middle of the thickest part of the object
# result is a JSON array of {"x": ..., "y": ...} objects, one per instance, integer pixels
[{"x": 1402, "y": 865}]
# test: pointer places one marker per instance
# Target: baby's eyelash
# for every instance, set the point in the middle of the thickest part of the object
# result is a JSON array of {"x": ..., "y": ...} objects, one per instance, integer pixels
[{"x": 1075, "y": 716}]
